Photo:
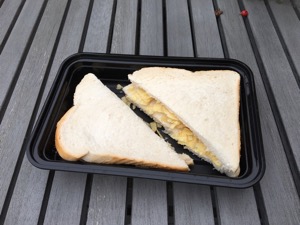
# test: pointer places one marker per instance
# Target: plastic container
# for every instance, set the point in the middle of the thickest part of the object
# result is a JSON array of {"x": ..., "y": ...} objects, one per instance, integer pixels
[{"x": 113, "y": 70}]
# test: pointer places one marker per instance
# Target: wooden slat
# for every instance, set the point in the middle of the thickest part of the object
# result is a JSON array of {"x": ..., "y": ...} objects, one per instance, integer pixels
[
  {"x": 11, "y": 129},
  {"x": 8, "y": 11},
  {"x": 149, "y": 202},
  {"x": 289, "y": 26},
  {"x": 277, "y": 184},
  {"x": 28, "y": 195},
  {"x": 65, "y": 201},
  {"x": 62, "y": 198},
  {"x": 205, "y": 27},
  {"x": 124, "y": 34},
  {"x": 237, "y": 207},
  {"x": 107, "y": 201},
  {"x": 15, "y": 45},
  {"x": 192, "y": 204},
  {"x": 280, "y": 75},
  {"x": 98, "y": 30},
  {"x": 31, "y": 182},
  {"x": 151, "y": 35},
  {"x": 178, "y": 29}
]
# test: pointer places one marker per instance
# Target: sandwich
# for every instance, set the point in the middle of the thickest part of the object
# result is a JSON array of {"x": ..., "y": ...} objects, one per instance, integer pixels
[
  {"x": 200, "y": 110},
  {"x": 101, "y": 128}
]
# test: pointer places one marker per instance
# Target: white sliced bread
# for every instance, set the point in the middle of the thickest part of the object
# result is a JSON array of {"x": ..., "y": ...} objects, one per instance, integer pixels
[
  {"x": 207, "y": 102},
  {"x": 100, "y": 128}
]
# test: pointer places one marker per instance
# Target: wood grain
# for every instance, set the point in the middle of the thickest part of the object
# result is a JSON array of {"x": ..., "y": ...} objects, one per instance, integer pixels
[
  {"x": 207, "y": 38},
  {"x": 124, "y": 34},
  {"x": 65, "y": 200},
  {"x": 192, "y": 204},
  {"x": 8, "y": 12},
  {"x": 149, "y": 202},
  {"x": 28, "y": 195},
  {"x": 151, "y": 36},
  {"x": 178, "y": 29},
  {"x": 98, "y": 30},
  {"x": 107, "y": 201},
  {"x": 237, "y": 207}
]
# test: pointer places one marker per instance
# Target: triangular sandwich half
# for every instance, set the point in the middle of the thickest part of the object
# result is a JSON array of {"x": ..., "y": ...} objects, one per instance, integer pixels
[
  {"x": 198, "y": 109},
  {"x": 101, "y": 128}
]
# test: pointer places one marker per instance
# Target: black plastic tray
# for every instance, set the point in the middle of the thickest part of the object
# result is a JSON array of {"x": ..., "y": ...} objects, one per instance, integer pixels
[{"x": 113, "y": 70}]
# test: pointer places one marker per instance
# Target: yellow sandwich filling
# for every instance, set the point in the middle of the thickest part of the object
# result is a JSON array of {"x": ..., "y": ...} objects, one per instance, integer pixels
[{"x": 175, "y": 128}]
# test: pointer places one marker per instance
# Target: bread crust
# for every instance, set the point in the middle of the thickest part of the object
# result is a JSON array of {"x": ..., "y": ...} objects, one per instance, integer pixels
[
  {"x": 62, "y": 151},
  {"x": 115, "y": 159}
]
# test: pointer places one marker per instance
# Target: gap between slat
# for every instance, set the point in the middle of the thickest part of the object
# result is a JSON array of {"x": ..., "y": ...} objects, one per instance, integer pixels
[
  {"x": 214, "y": 200},
  {"x": 165, "y": 34},
  {"x": 128, "y": 201},
  {"x": 86, "y": 199},
  {"x": 192, "y": 28},
  {"x": 111, "y": 27},
  {"x": 170, "y": 203},
  {"x": 221, "y": 31},
  {"x": 259, "y": 201},
  {"x": 138, "y": 28}
]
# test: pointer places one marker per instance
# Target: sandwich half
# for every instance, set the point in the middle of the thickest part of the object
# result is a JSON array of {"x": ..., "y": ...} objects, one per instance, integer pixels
[
  {"x": 198, "y": 109},
  {"x": 101, "y": 128}
]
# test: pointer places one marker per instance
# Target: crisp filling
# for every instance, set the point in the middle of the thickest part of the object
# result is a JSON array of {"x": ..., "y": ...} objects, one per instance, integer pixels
[{"x": 174, "y": 127}]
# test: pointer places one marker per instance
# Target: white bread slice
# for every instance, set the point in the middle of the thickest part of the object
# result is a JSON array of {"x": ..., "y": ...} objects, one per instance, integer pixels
[
  {"x": 100, "y": 128},
  {"x": 207, "y": 102}
]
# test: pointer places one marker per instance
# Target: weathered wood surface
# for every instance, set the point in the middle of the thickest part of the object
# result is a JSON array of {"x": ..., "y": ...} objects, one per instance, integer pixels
[
  {"x": 152, "y": 28},
  {"x": 8, "y": 14},
  {"x": 31, "y": 182},
  {"x": 14, "y": 49},
  {"x": 38, "y": 36}
]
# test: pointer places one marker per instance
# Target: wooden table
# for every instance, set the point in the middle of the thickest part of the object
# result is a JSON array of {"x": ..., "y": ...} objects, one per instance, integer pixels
[{"x": 36, "y": 36}]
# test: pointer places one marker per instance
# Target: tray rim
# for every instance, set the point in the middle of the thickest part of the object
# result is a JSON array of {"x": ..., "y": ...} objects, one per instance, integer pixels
[{"x": 140, "y": 172}]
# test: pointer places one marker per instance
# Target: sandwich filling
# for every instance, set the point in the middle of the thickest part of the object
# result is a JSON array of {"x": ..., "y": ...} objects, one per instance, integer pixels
[{"x": 174, "y": 127}]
